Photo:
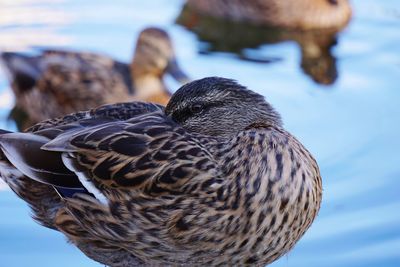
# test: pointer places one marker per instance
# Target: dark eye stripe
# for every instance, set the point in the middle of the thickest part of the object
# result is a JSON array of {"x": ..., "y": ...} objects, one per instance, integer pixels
[
  {"x": 182, "y": 115},
  {"x": 187, "y": 112}
]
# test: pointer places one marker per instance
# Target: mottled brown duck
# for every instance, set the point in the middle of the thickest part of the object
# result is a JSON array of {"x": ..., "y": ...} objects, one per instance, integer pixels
[
  {"x": 57, "y": 82},
  {"x": 296, "y": 14},
  {"x": 213, "y": 179}
]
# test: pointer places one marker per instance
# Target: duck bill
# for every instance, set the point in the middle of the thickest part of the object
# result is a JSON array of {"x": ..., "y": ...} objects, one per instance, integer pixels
[{"x": 176, "y": 72}]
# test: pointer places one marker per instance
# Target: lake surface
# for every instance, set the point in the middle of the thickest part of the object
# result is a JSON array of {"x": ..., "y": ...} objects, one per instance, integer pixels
[{"x": 352, "y": 125}]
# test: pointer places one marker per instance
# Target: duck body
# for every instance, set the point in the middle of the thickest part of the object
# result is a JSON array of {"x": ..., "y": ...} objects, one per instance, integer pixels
[
  {"x": 298, "y": 14},
  {"x": 148, "y": 190},
  {"x": 57, "y": 82}
]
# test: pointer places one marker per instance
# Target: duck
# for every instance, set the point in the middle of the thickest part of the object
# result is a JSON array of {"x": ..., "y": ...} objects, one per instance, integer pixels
[
  {"x": 211, "y": 179},
  {"x": 58, "y": 82},
  {"x": 318, "y": 61},
  {"x": 294, "y": 14}
]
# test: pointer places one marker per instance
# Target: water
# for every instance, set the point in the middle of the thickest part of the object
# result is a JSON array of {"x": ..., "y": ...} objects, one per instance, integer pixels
[{"x": 351, "y": 126}]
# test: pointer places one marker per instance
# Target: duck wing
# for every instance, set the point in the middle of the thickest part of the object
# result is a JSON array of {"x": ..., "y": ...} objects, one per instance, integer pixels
[
  {"x": 149, "y": 153},
  {"x": 89, "y": 70},
  {"x": 47, "y": 207},
  {"x": 93, "y": 59},
  {"x": 116, "y": 66},
  {"x": 24, "y": 151},
  {"x": 132, "y": 165},
  {"x": 123, "y": 146},
  {"x": 68, "y": 80}
]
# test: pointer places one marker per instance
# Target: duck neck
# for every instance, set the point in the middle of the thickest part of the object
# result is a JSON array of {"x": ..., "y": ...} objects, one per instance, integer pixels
[{"x": 149, "y": 87}]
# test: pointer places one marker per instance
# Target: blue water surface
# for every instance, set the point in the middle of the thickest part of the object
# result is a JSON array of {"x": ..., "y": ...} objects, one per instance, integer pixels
[{"x": 352, "y": 127}]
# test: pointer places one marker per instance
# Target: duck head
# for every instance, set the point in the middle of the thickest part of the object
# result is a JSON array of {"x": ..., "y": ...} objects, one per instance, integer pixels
[
  {"x": 220, "y": 107},
  {"x": 155, "y": 56}
]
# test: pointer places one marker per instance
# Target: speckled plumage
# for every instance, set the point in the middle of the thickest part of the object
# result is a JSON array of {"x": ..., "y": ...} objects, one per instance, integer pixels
[
  {"x": 175, "y": 194},
  {"x": 58, "y": 82},
  {"x": 298, "y": 14}
]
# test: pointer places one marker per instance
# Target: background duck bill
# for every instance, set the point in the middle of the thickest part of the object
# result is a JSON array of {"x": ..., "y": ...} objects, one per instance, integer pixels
[{"x": 175, "y": 71}]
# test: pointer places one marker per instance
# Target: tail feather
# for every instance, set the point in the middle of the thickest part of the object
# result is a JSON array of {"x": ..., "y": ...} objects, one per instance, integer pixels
[
  {"x": 2, "y": 156},
  {"x": 23, "y": 70},
  {"x": 43, "y": 199},
  {"x": 23, "y": 151},
  {"x": 4, "y": 131}
]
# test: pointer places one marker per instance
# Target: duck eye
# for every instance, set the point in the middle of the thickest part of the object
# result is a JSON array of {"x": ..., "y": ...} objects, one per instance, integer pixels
[{"x": 196, "y": 108}]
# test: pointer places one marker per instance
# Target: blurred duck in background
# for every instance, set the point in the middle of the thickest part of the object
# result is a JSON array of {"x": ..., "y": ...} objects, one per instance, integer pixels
[
  {"x": 58, "y": 82},
  {"x": 297, "y": 14},
  {"x": 233, "y": 26}
]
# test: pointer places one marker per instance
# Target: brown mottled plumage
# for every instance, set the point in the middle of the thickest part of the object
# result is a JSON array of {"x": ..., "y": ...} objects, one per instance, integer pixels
[
  {"x": 59, "y": 82},
  {"x": 299, "y": 14},
  {"x": 213, "y": 179}
]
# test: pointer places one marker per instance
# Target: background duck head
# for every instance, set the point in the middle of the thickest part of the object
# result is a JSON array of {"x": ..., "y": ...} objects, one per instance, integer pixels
[
  {"x": 153, "y": 58},
  {"x": 220, "y": 107}
]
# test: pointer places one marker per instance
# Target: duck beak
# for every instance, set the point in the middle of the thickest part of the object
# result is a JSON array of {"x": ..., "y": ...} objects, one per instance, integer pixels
[{"x": 176, "y": 72}]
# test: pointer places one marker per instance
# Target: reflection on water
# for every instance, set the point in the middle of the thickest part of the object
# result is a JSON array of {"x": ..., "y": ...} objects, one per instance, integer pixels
[
  {"x": 317, "y": 60},
  {"x": 353, "y": 129}
]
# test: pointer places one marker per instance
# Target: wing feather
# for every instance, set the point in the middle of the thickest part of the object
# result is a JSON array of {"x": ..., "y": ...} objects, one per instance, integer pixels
[
  {"x": 149, "y": 152},
  {"x": 23, "y": 150}
]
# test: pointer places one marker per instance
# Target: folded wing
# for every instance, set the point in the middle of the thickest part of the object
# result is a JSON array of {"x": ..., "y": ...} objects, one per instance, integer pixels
[{"x": 132, "y": 146}]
